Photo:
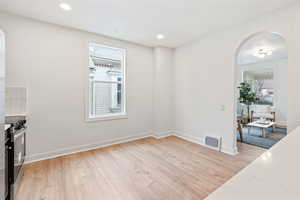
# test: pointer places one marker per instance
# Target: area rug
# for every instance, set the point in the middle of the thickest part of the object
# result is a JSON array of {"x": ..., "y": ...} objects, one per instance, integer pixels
[{"x": 256, "y": 137}]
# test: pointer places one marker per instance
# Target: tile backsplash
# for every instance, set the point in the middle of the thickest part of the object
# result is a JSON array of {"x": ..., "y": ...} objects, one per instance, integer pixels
[{"x": 15, "y": 101}]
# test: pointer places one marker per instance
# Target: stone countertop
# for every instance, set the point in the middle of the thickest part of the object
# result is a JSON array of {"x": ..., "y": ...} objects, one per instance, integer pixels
[
  {"x": 274, "y": 175},
  {"x": 7, "y": 126}
]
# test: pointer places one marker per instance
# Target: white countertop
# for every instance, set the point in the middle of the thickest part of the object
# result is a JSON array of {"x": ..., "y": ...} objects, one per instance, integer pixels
[
  {"x": 275, "y": 175},
  {"x": 7, "y": 126}
]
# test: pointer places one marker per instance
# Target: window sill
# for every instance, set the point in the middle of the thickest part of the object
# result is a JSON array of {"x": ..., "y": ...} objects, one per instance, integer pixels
[{"x": 107, "y": 117}]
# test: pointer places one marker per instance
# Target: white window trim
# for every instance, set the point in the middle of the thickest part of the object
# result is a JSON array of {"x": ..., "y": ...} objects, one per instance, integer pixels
[{"x": 112, "y": 116}]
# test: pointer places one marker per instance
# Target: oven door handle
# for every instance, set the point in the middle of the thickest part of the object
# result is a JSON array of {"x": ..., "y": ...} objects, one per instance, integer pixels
[{"x": 19, "y": 134}]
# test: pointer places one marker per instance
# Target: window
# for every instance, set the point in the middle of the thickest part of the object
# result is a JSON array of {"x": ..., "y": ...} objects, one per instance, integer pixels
[
  {"x": 106, "y": 82},
  {"x": 262, "y": 84},
  {"x": 266, "y": 92}
]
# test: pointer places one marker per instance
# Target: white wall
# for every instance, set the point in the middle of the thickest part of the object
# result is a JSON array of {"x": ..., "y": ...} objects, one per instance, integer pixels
[
  {"x": 52, "y": 62},
  {"x": 203, "y": 84},
  {"x": 195, "y": 99},
  {"x": 280, "y": 71},
  {"x": 205, "y": 77},
  {"x": 163, "y": 107},
  {"x": 282, "y": 93}
]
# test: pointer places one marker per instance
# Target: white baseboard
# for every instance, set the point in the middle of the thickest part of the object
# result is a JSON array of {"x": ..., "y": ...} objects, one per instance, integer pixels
[
  {"x": 164, "y": 134},
  {"x": 230, "y": 151},
  {"x": 200, "y": 141},
  {"x": 101, "y": 144},
  {"x": 82, "y": 148}
]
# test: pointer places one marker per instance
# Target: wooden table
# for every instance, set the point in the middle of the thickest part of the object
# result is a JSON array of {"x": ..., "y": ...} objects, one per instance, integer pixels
[{"x": 263, "y": 126}]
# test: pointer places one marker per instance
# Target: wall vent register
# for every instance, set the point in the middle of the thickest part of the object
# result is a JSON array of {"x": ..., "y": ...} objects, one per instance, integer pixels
[{"x": 213, "y": 142}]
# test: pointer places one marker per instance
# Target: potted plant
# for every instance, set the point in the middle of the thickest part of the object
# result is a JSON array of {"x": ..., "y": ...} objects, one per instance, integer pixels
[{"x": 247, "y": 97}]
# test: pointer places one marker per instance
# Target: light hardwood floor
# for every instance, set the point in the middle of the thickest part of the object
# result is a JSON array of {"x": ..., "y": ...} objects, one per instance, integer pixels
[{"x": 147, "y": 169}]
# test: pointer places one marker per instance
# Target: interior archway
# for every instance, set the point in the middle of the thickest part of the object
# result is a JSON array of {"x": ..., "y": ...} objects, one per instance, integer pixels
[{"x": 261, "y": 65}]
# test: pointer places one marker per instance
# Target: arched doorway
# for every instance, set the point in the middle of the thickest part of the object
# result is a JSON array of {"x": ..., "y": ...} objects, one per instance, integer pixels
[{"x": 261, "y": 66}]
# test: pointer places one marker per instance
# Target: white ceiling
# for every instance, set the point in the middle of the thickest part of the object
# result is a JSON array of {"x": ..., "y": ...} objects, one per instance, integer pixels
[
  {"x": 139, "y": 21},
  {"x": 272, "y": 41}
]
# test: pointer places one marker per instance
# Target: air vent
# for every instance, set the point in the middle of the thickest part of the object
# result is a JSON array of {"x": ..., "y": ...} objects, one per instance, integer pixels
[{"x": 213, "y": 142}]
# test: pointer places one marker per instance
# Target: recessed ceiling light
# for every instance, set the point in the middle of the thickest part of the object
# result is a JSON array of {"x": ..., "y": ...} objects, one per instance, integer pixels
[
  {"x": 160, "y": 36},
  {"x": 65, "y": 6}
]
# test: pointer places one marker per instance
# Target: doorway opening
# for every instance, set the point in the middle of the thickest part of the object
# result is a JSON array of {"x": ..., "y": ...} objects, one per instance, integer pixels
[{"x": 262, "y": 89}]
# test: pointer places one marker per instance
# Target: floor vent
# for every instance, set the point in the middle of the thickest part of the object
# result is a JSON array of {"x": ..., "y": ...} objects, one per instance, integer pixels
[{"x": 213, "y": 142}]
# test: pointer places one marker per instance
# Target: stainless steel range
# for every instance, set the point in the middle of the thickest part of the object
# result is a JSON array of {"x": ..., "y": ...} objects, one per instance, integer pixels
[
  {"x": 16, "y": 135},
  {"x": 5, "y": 184}
]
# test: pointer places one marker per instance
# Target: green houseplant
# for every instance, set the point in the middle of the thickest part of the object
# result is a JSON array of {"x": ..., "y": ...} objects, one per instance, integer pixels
[{"x": 247, "y": 97}]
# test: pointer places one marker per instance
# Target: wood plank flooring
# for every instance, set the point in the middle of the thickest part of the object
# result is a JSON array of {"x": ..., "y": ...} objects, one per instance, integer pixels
[{"x": 146, "y": 169}]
